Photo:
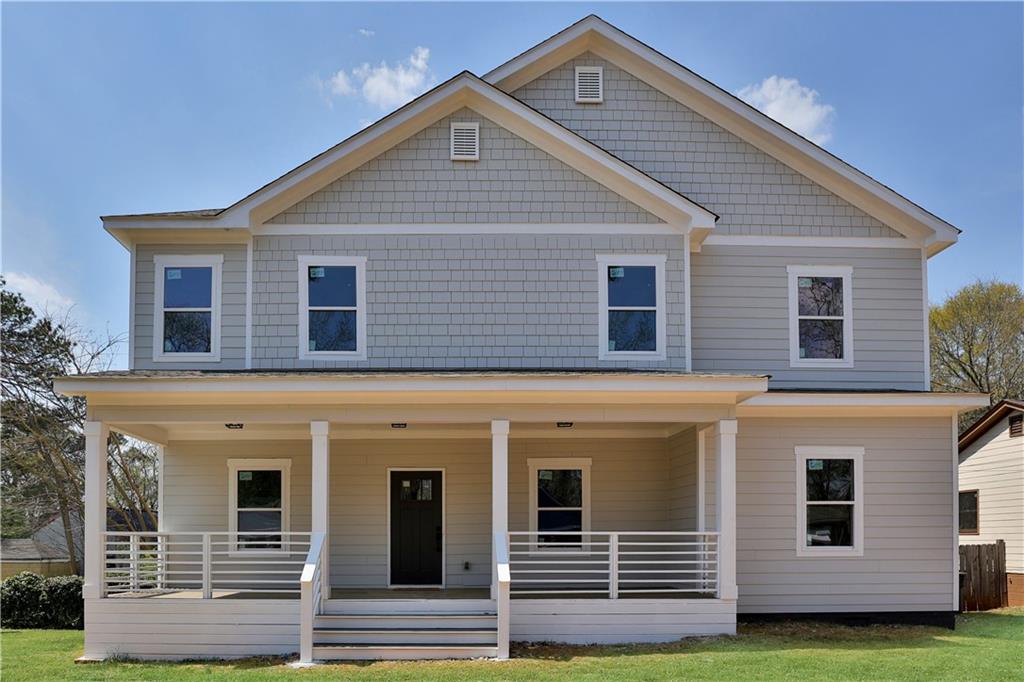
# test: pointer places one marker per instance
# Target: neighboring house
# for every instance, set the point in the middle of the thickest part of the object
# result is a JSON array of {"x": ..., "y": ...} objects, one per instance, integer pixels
[
  {"x": 587, "y": 331},
  {"x": 52, "y": 532},
  {"x": 27, "y": 554},
  {"x": 992, "y": 487}
]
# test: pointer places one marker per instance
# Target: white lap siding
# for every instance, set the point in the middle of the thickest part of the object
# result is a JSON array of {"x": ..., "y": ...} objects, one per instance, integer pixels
[{"x": 908, "y": 518}]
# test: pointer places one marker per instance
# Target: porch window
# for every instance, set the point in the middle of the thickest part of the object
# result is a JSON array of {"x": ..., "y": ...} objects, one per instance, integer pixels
[
  {"x": 969, "y": 512},
  {"x": 632, "y": 307},
  {"x": 186, "y": 306},
  {"x": 559, "y": 499},
  {"x": 332, "y": 319},
  {"x": 820, "y": 316},
  {"x": 258, "y": 494},
  {"x": 830, "y": 513}
]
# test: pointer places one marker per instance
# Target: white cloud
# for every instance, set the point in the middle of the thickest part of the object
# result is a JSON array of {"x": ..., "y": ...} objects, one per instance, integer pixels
[
  {"x": 384, "y": 86},
  {"x": 793, "y": 105},
  {"x": 43, "y": 297},
  {"x": 367, "y": 33}
]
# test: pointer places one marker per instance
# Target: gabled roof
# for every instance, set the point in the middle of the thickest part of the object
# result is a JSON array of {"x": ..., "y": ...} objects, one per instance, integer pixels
[
  {"x": 464, "y": 90},
  {"x": 593, "y": 34},
  {"x": 986, "y": 421}
]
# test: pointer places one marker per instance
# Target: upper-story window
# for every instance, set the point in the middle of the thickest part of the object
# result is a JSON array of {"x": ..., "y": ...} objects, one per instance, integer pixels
[
  {"x": 820, "y": 316},
  {"x": 332, "y": 307},
  {"x": 632, "y": 307},
  {"x": 186, "y": 308}
]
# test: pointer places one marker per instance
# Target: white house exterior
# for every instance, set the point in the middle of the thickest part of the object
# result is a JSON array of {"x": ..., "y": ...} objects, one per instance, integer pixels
[
  {"x": 585, "y": 350},
  {"x": 992, "y": 487}
]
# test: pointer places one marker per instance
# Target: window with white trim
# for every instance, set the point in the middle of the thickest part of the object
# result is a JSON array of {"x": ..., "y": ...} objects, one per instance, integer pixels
[
  {"x": 559, "y": 500},
  {"x": 631, "y": 300},
  {"x": 830, "y": 500},
  {"x": 258, "y": 502},
  {"x": 332, "y": 307},
  {"x": 186, "y": 308},
  {"x": 820, "y": 316}
]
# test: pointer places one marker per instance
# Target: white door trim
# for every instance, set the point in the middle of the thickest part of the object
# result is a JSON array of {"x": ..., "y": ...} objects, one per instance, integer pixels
[{"x": 444, "y": 525}]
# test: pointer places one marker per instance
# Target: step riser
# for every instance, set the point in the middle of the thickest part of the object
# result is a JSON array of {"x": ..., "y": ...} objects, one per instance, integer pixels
[
  {"x": 424, "y": 637},
  {"x": 354, "y": 606},
  {"x": 384, "y": 654},
  {"x": 405, "y": 622}
]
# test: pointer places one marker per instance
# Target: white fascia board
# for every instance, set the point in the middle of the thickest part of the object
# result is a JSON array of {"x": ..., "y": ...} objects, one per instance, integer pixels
[
  {"x": 595, "y": 35},
  {"x": 740, "y": 385},
  {"x": 859, "y": 404}
]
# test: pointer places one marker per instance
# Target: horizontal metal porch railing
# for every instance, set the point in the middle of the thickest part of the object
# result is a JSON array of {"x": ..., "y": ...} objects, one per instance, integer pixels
[
  {"x": 613, "y": 563},
  {"x": 199, "y": 564}
]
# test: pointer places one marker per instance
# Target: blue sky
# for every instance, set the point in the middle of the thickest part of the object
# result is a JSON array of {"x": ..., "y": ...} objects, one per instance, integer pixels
[{"x": 119, "y": 108}]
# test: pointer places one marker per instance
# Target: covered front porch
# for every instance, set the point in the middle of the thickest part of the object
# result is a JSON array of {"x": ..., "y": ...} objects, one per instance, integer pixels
[{"x": 558, "y": 491}]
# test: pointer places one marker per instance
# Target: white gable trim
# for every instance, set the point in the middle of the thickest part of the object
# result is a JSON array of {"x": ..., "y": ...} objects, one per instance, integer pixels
[{"x": 604, "y": 40}]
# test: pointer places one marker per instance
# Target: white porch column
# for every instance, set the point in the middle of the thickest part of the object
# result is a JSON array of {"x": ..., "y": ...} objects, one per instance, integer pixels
[
  {"x": 321, "y": 496},
  {"x": 499, "y": 491},
  {"x": 96, "y": 434},
  {"x": 725, "y": 507}
]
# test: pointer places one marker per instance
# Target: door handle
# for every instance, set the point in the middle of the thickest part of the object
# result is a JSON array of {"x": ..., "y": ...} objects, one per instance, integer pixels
[{"x": 437, "y": 535}]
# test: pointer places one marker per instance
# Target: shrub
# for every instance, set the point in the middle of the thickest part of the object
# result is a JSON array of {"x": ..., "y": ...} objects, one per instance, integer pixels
[
  {"x": 28, "y": 600},
  {"x": 23, "y": 601},
  {"x": 64, "y": 601}
]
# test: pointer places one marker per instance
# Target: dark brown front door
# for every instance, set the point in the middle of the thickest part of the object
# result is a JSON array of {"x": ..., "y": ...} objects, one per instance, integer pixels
[{"x": 416, "y": 533}]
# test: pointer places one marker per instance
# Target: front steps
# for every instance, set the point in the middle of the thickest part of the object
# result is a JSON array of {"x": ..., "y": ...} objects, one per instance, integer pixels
[{"x": 396, "y": 629}]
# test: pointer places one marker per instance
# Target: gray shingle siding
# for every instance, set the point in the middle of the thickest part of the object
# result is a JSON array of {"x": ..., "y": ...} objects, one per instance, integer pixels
[
  {"x": 455, "y": 301},
  {"x": 752, "y": 192},
  {"x": 417, "y": 182}
]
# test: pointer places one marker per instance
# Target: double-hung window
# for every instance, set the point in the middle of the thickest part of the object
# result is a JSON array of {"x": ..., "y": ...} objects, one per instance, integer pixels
[
  {"x": 969, "y": 512},
  {"x": 186, "y": 308},
  {"x": 830, "y": 504},
  {"x": 258, "y": 503},
  {"x": 559, "y": 500},
  {"x": 820, "y": 316},
  {"x": 631, "y": 300},
  {"x": 332, "y": 307}
]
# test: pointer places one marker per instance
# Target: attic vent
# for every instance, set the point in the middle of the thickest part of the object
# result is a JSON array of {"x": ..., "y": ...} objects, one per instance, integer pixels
[
  {"x": 1016, "y": 425},
  {"x": 589, "y": 84},
  {"x": 465, "y": 141}
]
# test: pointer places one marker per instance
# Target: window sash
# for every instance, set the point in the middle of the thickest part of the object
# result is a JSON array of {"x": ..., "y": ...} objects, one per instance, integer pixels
[
  {"x": 853, "y": 454},
  {"x": 306, "y": 309},
  {"x": 657, "y": 263},
  {"x": 841, "y": 272}
]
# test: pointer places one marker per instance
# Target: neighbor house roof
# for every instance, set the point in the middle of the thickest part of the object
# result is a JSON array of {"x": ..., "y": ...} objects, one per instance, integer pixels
[
  {"x": 593, "y": 34},
  {"x": 27, "y": 549},
  {"x": 986, "y": 421}
]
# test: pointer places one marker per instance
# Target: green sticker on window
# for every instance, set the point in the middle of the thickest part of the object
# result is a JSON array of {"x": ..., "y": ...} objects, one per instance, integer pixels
[
  {"x": 316, "y": 273},
  {"x": 616, "y": 273},
  {"x": 804, "y": 282},
  {"x": 173, "y": 273},
  {"x": 815, "y": 464},
  {"x": 546, "y": 475},
  {"x": 244, "y": 475}
]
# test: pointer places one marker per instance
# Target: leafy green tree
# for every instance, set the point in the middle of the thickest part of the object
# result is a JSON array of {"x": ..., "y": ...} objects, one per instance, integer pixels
[{"x": 977, "y": 341}]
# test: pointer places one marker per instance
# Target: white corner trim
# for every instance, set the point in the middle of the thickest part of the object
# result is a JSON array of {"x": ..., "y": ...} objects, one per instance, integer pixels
[
  {"x": 954, "y": 422},
  {"x": 248, "y": 304},
  {"x": 926, "y": 312},
  {"x": 132, "y": 270},
  {"x": 806, "y": 452},
  {"x": 687, "y": 303},
  {"x": 160, "y": 263},
  {"x": 658, "y": 262},
  {"x": 702, "y": 483},
  {"x": 794, "y": 273},
  {"x": 359, "y": 263}
]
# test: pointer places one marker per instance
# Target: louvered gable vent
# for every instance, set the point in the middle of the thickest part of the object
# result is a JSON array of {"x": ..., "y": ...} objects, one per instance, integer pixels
[
  {"x": 1016, "y": 425},
  {"x": 465, "y": 141},
  {"x": 589, "y": 84}
]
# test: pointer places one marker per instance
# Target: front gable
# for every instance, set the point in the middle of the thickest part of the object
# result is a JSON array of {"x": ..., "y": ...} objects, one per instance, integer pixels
[
  {"x": 416, "y": 181},
  {"x": 753, "y": 192}
]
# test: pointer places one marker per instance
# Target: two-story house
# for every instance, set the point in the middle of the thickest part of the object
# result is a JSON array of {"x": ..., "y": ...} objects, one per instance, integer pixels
[{"x": 584, "y": 350}]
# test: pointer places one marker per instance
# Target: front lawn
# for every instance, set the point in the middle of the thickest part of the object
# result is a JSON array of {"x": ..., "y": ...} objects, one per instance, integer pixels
[{"x": 984, "y": 646}]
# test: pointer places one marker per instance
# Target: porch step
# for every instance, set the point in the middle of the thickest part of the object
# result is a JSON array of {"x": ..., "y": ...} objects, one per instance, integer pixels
[
  {"x": 385, "y": 651},
  {"x": 387, "y": 634},
  {"x": 408, "y": 605}
]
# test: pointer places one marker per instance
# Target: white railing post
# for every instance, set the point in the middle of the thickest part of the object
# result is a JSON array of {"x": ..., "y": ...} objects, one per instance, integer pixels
[
  {"x": 613, "y": 565},
  {"x": 207, "y": 569},
  {"x": 725, "y": 508},
  {"x": 133, "y": 562},
  {"x": 504, "y": 593},
  {"x": 499, "y": 493},
  {"x": 95, "y": 544},
  {"x": 308, "y": 606},
  {"x": 320, "y": 431}
]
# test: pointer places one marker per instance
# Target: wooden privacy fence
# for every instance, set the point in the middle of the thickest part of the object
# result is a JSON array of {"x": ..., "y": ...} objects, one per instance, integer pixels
[{"x": 983, "y": 581}]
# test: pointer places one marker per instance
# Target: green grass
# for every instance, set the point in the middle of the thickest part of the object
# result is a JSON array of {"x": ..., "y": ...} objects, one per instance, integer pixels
[{"x": 985, "y": 646}]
